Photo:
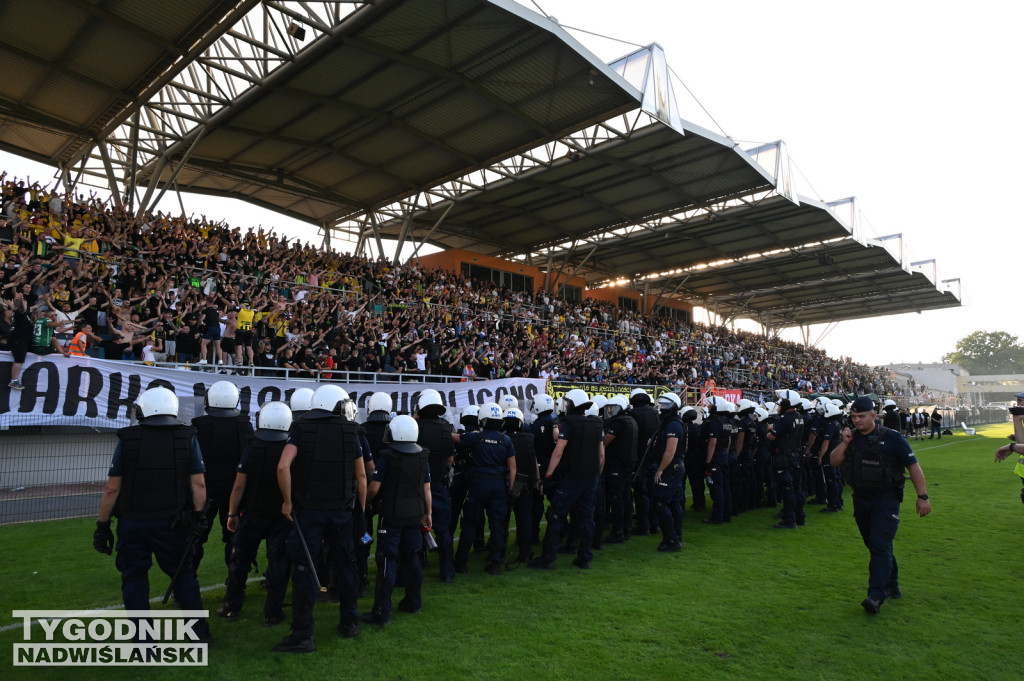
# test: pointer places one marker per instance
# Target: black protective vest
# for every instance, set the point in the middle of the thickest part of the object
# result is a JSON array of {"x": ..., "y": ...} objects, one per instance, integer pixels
[
  {"x": 262, "y": 493},
  {"x": 622, "y": 449},
  {"x": 526, "y": 455},
  {"x": 436, "y": 435},
  {"x": 891, "y": 419},
  {"x": 870, "y": 471},
  {"x": 647, "y": 423},
  {"x": 154, "y": 471},
  {"x": 729, "y": 434},
  {"x": 322, "y": 472},
  {"x": 402, "y": 501},
  {"x": 543, "y": 442},
  {"x": 582, "y": 454},
  {"x": 375, "y": 429},
  {"x": 222, "y": 442},
  {"x": 660, "y": 442},
  {"x": 748, "y": 426}
]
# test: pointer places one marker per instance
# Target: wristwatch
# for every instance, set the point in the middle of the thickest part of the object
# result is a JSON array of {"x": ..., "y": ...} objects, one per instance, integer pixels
[{"x": 922, "y": 497}]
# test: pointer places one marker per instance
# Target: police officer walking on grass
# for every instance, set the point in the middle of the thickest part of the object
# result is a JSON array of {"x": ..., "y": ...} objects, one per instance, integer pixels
[
  {"x": 402, "y": 481},
  {"x": 322, "y": 479},
  {"x": 254, "y": 515},
  {"x": 157, "y": 490},
  {"x": 873, "y": 458}
]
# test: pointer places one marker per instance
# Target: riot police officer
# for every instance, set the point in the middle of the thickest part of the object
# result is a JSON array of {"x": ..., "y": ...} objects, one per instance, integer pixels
[
  {"x": 299, "y": 401},
  {"x": 322, "y": 478},
  {"x": 668, "y": 450},
  {"x": 459, "y": 489},
  {"x": 545, "y": 432},
  {"x": 830, "y": 438},
  {"x": 581, "y": 441},
  {"x": 787, "y": 451},
  {"x": 402, "y": 481},
  {"x": 254, "y": 515},
  {"x": 741, "y": 468},
  {"x": 646, "y": 416},
  {"x": 873, "y": 458},
  {"x": 379, "y": 408},
  {"x": 718, "y": 433},
  {"x": 435, "y": 434},
  {"x": 527, "y": 477},
  {"x": 491, "y": 481},
  {"x": 620, "y": 447},
  {"x": 891, "y": 415},
  {"x": 157, "y": 487},
  {"x": 223, "y": 432}
]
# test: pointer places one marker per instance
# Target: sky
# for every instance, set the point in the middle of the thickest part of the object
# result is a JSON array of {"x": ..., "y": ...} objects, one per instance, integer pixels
[{"x": 909, "y": 106}]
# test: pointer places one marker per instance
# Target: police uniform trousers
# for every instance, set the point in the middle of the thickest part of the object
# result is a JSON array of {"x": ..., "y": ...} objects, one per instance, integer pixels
[
  {"x": 616, "y": 485},
  {"x": 576, "y": 494},
  {"x": 522, "y": 509},
  {"x": 878, "y": 518},
  {"x": 833, "y": 485},
  {"x": 218, "y": 503},
  {"x": 362, "y": 524},
  {"x": 600, "y": 512},
  {"x": 334, "y": 527},
  {"x": 787, "y": 481},
  {"x": 252, "y": 529},
  {"x": 138, "y": 542},
  {"x": 398, "y": 547},
  {"x": 721, "y": 490},
  {"x": 441, "y": 516},
  {"x": 695, "y": 476},
  {"x": 669, "y": 498},
  {"x": 487, "y": 493},
  {"x": 457, "y": 493}
]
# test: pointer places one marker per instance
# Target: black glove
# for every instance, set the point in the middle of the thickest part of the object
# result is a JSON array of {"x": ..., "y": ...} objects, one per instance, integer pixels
[
  {"x": 103, "y": 538},
  {"x": 1017, "y": 411},
  {"x": 200, "y": 527},
  {"x": 547, "y": 485}
]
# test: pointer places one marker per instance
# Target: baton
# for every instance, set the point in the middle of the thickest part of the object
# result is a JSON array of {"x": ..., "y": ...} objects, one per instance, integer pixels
[
  {"x": 189, "y": 547},
  {"x": 305, "y": 550}
]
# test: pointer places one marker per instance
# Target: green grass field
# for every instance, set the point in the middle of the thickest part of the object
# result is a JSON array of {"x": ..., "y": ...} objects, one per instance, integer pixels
[{"x": 741, "y": 601}]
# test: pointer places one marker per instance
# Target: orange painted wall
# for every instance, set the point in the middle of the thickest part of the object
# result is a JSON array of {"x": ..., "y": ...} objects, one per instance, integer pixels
[{"x": 453, "y": 258}]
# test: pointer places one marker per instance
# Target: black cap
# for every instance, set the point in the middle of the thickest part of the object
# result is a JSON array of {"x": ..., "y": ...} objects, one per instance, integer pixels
[{"x": 862, "y": 404}]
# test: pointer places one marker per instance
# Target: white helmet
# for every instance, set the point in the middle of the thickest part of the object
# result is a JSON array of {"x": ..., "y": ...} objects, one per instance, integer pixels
[
  {"x": 831, "y": 411},
  {"x": 430, "y": 404},
  {"x": 791, "y": 396},
  {"x": 888, "y": 404},
  {"x": 761, "y": 414},
  {"x": 330, "y": 398},
  {"x": 669, "y": 401},
  {"x": 560, "y": 405},
  {"x": 158, "y": 407},
  {"x": 402, "y": 433},
  {"x": 688, "y": 414},
  {"x": 599, "y": 402},
  {"x": 592, "y": 410},
  {"x": 514, "y": 419},
  {"x": 576, "y": 399},
  {"x": 744, "y": 407},
  {"x": 805, "y": 405},
  {"x": 639, "y": 396},
  {"x": 720, "y": 405},
  {"x": 222, "y": 400},
  {"x": 470, "y": 412},
  {"x": 273, "y": 422},
  {"x": 615, "y": 406},
  {"x": 300, "y": 400},
  {"x": 542, "y": 403},
  {"x": 771, "y": 408},
  {"x": 838, "y": 402},
  {"x": 491, "y": 412},
  {"x": 508, "y": 402},
  {"x": 705, "y": 413},
  {"x": 379, "y": 402}
]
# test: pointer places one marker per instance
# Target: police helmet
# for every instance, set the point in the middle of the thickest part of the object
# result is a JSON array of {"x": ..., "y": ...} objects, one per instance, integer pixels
[
  {"x": 470, "y": 416},
  {"x": 832, "y": 411},
  {"x": 508, "y": 402},
  {"x": 273, "y": 422},
  {"x": 838, "y": 402},
  {"x": 576, "y": 400},
  {"x": 760, "y": 413},
  {"x": 402, "y": 433},
  {"x": 787, "y": 398},
  {"x": 805, "y": 405},
  {"x": 669, "y": 402},
  {"x": 615, "y": 405},
  {"x": 542, "y": 403},
  {"x": 157, "y": 407},
  {"x": 332, "y": 398},
  {"x": 596, "y": 405},
  {"x": 491, "y": 415},
  {"x": 705, "y": 413},
  {"x": 888, "y": 404},
  {"x": 688, "y": 414},
  {"x": 640, "y": 397},
  {"x": 514, "y": 420},
  {"x": 380, "y": 402},
  {"x": 720, "y": 405},
  {"x": 222, "y": 400},
  {"x": 430, "y": 404},
  {"x": 744, "y": 407},
  {"x": 300, "y": 400}
]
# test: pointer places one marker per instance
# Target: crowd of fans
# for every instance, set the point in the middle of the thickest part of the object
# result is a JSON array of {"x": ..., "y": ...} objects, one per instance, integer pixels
[{"x": 164, "y": 288}]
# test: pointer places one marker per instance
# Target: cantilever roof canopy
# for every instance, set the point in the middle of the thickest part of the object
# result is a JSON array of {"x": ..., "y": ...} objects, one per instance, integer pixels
[
  {"x": 394, "y": 99},
  {"x": 73, "y": 69}
]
